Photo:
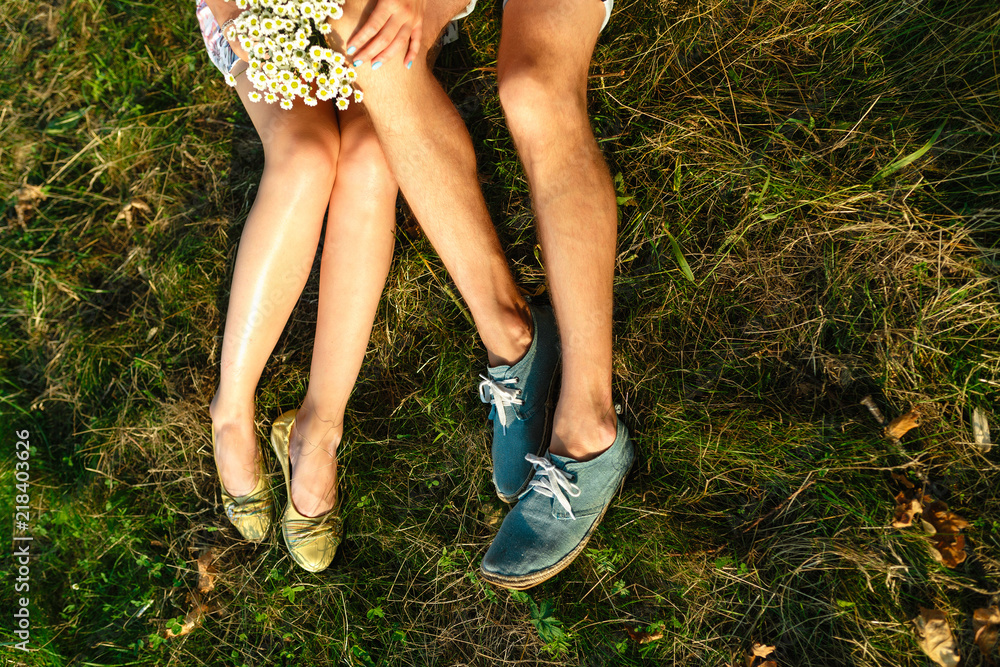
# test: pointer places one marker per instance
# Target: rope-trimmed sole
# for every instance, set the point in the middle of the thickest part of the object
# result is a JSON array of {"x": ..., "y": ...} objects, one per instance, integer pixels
[{"x": 527, "y": 581}]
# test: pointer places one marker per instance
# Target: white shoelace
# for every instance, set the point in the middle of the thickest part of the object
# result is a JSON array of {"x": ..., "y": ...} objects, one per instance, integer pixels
[
  {"x": 552, "y": 485},
  {"x": 491, "y": 391}
]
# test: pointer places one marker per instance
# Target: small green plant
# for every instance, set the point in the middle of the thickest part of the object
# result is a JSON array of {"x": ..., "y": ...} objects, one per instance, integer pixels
[
  {"x": 549, "y": 627},
  {"x": 290, "y": 591}
]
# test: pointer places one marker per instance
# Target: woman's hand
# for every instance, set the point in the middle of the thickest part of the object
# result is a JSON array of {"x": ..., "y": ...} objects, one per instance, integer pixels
[
  {"x": 224, "y": 11},
  {"x": 392, "y": 27},
  {"x": 237, "y": 48}
]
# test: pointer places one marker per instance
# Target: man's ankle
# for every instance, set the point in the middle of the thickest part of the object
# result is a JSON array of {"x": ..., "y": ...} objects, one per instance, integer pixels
[
  {"x": 586, "y": 439},
  {"x": 519, "y": 332}
]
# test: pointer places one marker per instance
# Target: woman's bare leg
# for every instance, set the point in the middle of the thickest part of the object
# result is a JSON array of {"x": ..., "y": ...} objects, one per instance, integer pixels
[
  {"x": 356, "y": 256},
  {"x": 275, "y": 255}
]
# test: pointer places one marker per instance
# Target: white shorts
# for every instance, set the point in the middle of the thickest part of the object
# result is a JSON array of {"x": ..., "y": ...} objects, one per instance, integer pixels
[{"x": 608, "y": 5}]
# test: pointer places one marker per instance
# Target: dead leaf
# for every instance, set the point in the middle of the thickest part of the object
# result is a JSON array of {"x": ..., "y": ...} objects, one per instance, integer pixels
[
  {"x": 981, "y": 431},
  {"x": 643, "y": 637},
  {"x": 206, "y": 571},
  {"x": 904, "y": 480},
  {"x": 986, "y": 628},
  {"x": 192, "y": 619},
  {"x": 760, "y": 656},
  {"x": 27, "y": 196},
  {"x": 908, "y": 503},
  {"x": 128, "y": 213},
  {"x": 935, "y": 638},
  {"x": 948, "y": 544},
  {"x": 903, "y": 424}
]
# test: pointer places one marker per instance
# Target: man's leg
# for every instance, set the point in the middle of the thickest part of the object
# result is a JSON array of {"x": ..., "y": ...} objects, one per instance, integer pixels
[
  {"x": 430, "y": 153},
  {"x": 545, "y": 53}
]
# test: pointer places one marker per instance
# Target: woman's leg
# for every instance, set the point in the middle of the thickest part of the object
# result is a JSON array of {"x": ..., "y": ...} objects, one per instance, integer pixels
[
  {"x": 276, "y": 252},
  {"x": 356, "y": 256}
]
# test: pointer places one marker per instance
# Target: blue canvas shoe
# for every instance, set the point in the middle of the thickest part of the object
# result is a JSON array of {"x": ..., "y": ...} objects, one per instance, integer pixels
[
  {"x": 555, "y": 517},
  {"x": 521, "y": 396}
]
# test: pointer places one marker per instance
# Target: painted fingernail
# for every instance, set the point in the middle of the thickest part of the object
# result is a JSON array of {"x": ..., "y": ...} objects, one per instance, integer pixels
[
  {"x": 357, "y": 63},
  {"x": 409, "y": 64},
  {"x": 376, "y": 65},
  {"x": 351, "y": 50}
]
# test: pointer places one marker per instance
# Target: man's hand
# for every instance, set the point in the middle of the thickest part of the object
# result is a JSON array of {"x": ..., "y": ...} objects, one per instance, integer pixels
[{"x": 392, "y": 26}]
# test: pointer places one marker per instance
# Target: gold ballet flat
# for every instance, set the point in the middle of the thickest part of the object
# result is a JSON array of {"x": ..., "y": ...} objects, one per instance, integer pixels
[
  {"x": 312, "y": 541},
  {"x": 253, "y": 513}
]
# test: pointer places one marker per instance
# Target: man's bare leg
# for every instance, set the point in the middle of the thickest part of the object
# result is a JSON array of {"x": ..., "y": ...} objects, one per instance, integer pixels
[
  {"x": 431, "y": 156},
  {"x": 544, "y": 58}
]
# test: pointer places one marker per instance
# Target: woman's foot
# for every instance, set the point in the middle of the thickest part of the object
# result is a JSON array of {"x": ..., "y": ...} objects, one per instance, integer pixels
[
  {"x": 312, "y": 451},
  {"x": 235, "y": 447}
]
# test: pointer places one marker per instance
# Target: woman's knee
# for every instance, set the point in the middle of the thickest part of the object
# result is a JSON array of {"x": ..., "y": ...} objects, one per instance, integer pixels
[
  {"x": 314, "y": 150},
  {"x": 362, "y": 165}
]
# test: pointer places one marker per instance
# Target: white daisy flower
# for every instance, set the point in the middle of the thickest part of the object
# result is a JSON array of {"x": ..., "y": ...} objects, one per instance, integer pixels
[
  {"x": 342, "y": 103},
  {"x": 324, "y": 94},
  {"x": 325, "y": 28},
  {"x": 345, "y": 91},
  {"x": 336, "y": 13},
  {"x": 254, "y": 96},
  {"x": 322, "y": 80},
  {"x": 316, "y": 52},
  {"x": 358, "y": 96},
  {"x": 310, "y": 101},
  {"x": 270, "y": 98},
  {"x": 339, "y": 71},
  {"x": 286, "y": 105},
  {"x": 260, "y": 51},
  {"x": 308, "y": 74},
  {"x": 230, "y": 79},
  {"x": 269, "y": 68}
]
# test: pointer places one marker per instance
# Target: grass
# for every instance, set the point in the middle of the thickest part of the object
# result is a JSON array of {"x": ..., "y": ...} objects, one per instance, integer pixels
[{"x": 827, "y": 172}]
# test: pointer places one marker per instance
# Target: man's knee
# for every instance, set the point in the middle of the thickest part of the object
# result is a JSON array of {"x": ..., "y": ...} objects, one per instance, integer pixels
[{"x": 534, "y": 101}]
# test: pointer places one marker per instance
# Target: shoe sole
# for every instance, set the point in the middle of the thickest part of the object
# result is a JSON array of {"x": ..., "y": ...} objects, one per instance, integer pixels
[
  {"x": 550, "y": 413},
  {"x": 531, "y": 580}
]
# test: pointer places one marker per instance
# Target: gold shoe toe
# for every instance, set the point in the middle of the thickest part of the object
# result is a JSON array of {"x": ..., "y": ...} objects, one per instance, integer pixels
[
  {"x": 252, "y": 514},
  {"x": 312, "y": 541}
]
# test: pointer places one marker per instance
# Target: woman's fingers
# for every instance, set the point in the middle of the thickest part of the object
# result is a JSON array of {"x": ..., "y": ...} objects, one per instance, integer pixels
[
  {"x": 380, "y": 42},
  {"x": 358, "y": 43},
  {"x": 414, "y": 49}
]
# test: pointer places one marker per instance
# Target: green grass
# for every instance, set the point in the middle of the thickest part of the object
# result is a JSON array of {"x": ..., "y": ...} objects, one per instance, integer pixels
[{"x": 827, "y": 172}]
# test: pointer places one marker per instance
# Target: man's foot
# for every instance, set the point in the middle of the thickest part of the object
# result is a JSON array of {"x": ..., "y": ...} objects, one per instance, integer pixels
[
  {"x": 555, "y": 517},
  {"x": 521, "y": 395}
]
